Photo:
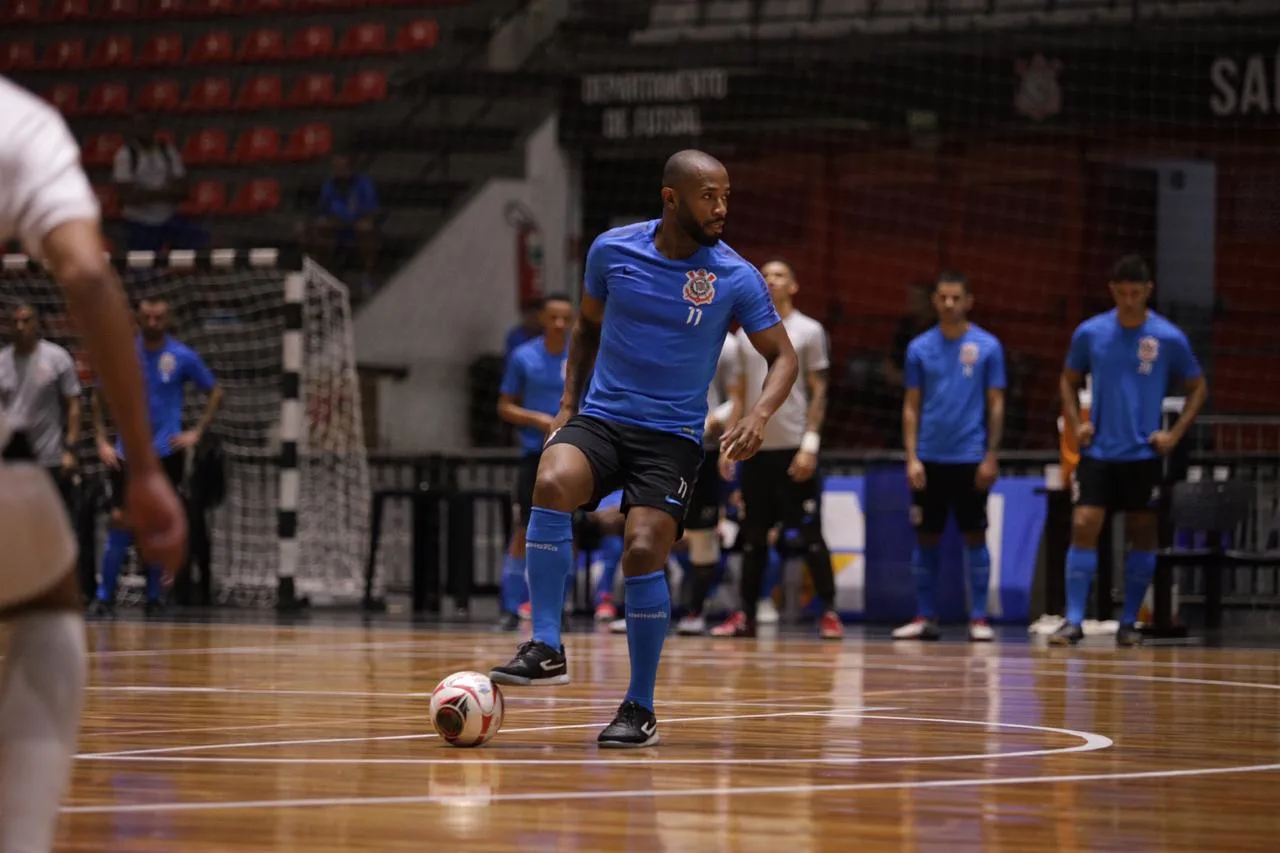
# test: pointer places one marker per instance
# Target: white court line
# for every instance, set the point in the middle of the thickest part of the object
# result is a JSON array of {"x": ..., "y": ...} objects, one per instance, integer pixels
[
  {"x": 651, "y": 793},
  {"x": 510, "y": 699},
  {"x": 1091, "y": 743},
  {"x": 169, "y": 750}
]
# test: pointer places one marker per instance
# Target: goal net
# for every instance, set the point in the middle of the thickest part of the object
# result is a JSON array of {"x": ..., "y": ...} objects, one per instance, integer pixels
[{"x": 291, "y": 430}]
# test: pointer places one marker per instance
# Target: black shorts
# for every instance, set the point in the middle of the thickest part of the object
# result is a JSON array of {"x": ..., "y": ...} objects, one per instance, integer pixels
[
  {"x": 770, "y": 496},
  {"x": 174, "y": 465},
  {"x": 1118, "y": 486},
  {"x": 526, "y": 476},
  {"x": 704, "y": 507},
  {"x": 653, "y": 469},
  {"x": 949, "y": 488}
]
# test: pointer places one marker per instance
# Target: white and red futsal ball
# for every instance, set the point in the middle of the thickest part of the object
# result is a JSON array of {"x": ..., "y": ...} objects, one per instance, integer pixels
[{"x": 466, "y": 709}]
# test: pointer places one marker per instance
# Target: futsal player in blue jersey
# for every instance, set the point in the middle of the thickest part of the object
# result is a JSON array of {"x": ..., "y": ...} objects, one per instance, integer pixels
[
  {"x": 1135, "y": 356},
  {"x": 659, "y": 299},
  {"x": 167, "y": 366},
  {"x": 529, "y": 398},
  {"x": 952, "y": 421}
]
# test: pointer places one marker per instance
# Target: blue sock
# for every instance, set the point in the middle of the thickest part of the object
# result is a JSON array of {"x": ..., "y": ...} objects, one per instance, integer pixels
[
  {"x": 1082, "y": 565},
  {"x": 153, "y": 583},
  {"x": 610, "y": 554},
  {"x": 514, "y": 588},
  {"x": 979, "y": 579},
  {"x": 549, "y": 556},
  {"x": 648, "y": 615},
  {"x": 118, "y": 542},
  {"x": 1139, "y": 568},
  {"x": 924, "y": 567},
  {"x": 772, "y": 574}
]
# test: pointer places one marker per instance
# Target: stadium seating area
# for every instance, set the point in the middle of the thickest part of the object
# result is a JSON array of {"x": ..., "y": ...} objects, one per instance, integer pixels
[{"x": 256, "y": 94}]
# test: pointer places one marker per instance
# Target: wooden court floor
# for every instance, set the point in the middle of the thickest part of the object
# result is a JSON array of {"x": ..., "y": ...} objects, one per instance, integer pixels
[{"x": 238, "y": 738}]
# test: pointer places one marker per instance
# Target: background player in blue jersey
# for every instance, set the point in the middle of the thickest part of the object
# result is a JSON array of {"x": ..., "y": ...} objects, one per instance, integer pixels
[
  {"x": 659, "y": 299},
  {"x": 1134, "y": 355},
  {"x": 952, "y": 420},
  {"x": 167, "y": 366},
  {"x": 529, "y": 398}
]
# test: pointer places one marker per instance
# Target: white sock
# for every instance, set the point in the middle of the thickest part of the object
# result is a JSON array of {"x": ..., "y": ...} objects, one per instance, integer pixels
[{"x": 41, "y": 694}]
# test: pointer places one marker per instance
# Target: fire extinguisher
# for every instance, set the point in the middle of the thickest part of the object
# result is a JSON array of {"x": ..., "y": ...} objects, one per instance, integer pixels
[{"x": 529, "y": 253}]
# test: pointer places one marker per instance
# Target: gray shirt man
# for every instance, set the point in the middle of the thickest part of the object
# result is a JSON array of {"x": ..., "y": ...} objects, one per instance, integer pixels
[
  {"x": 787, "y": 427},
  {"x": 34, "y": 391}
]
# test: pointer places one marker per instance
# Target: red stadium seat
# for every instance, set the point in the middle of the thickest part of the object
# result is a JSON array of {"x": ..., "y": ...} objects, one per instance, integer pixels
[
  {"x": 211, "y": 48},
  {"x": 364, "y": 40},
  {"x": 18, "y": 56},
  {"x": 257, "y": 145},
  {"x": 207, "y": 147},
  {"x": 108, "y": 99},
  {"x": 69, "y": 10},
  {"x": 109, "y": 197},
  {"x": 418, "y": 35},
  {"x": 207, "y": 198},
  {"x": 100, "y": 149},
  {"x": 262, "y": 46},
  {"x": 112, "y": 52},
  {"x": 164, "y": 49},
  {"x": 264, "y": 92},
  {"x": 159, "y": 96},
  {"x": 312, "y": 90},
  {"x": 66, "y": 97},
  {"x": 64, "y": 54},
  {"x": 309, "y": 142},
  {"x": 364, "y": 88},
  {"x": 120, "y": 8},
  {"x": 312, "y": 43},
  {"x": 260, "y": 196},
  {"x": 168, "y": 8},
  {"x": 211, "y": 93},
  {"x": 20, "y": 12}
]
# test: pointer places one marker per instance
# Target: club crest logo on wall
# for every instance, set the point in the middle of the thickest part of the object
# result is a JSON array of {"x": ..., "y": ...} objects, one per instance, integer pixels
[
  {"x": 1148, "y": 352},
  {"x": 1039, "y": 94},
  {"x": 969, "y": 357},
  {"x": 700, "y": 288}
]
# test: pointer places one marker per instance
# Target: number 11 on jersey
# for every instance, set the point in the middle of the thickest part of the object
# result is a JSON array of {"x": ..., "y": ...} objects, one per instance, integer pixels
[{"x": 694, "y": 318}]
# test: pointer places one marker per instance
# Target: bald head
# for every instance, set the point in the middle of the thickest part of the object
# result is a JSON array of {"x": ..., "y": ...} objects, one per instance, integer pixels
[{"x": 695, "y": 195}]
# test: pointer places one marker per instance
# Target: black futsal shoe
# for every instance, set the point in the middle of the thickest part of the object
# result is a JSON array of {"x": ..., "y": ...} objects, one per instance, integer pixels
[
  {"x": 507, "y": 622},
  {"x": 1067, "y": 635},
  {"x": 535, "y": 664},
  {"x": 1128, "y": 635},
  {"x": 634, "y": 727}
]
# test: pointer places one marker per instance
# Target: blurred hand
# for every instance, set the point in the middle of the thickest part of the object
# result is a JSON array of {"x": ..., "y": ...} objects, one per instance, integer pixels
[
  {"x": 1084, "y": 435},
  {"x": 1163, "y": 441},
  {"x": 915, "y": 474},
  {"x": 557, "y": 422},
  {"x": 158, "y": 520},
  {"x": 107, "y": 454},
  {"x": 988, "y": 471},
  {"x": 185, "y": 440},
  {"x": 544, "y": 423},
  {"x": 728, "y": 468},
  {"x": 743, "y": 439},
  {"x": 803, "y": 466},
  {"x": 69, "y": 462}
]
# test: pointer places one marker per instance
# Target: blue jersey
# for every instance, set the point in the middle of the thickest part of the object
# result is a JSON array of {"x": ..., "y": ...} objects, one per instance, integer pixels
[
  {"x": 536, "y": 378},
  {"x": 664, "y": 325},
  {"x": 953, "y": 377},
  {"x": 165, "y": 372},
  {"x": 517, "y": 336},
  {"x": 1132, "y": 370}
]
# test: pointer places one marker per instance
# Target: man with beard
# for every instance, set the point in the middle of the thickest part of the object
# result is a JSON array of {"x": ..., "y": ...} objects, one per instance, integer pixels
[
  {"x": 658, "y": 301},
  {"x": 167, "y": 365}
]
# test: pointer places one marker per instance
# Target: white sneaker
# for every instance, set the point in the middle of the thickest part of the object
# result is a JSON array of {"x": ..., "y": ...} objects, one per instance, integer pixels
[
  {"x": 980, "y": 631},
  {"x": 766, "y": 612},
  {"x": 916, "y": 629},
  {"x": 618, "y": 626},
  {"x": 691, "y": 626}
]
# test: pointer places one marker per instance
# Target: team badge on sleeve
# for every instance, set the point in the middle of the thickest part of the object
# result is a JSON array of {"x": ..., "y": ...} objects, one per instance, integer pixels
[{"x": 700, "y": 288}]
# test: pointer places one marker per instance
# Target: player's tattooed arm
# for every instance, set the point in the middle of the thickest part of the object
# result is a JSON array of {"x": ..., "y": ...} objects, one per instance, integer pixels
[
  {"x": 744, "y": 439},
  {"x": 584, "y": 343}
]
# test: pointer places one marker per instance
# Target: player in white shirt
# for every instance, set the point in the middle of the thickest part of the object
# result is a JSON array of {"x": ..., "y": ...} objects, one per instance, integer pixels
[
  {"x": 46, "y": 202},
  {"x": 782, "y": 483}
]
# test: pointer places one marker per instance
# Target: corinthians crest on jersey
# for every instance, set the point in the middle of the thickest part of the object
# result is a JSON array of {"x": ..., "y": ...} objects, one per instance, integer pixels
[{"x": 700, "y": 288}]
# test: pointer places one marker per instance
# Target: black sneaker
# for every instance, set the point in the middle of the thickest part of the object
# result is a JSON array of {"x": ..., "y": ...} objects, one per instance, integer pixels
[
  {"x": 507, "y": 622},
  {"x": 1067, "y": 635},
  {"x": 535, "y": 663},
  {"x": 99, "y": 609},
  {"x": 634, "y": 727},
  {"x": 1128, "y": 635}
]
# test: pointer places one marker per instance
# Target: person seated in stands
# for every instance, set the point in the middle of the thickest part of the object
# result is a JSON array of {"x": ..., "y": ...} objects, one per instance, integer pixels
[
  {"x": 347, "y": 219},
  {"x": 153, "y": 181}
]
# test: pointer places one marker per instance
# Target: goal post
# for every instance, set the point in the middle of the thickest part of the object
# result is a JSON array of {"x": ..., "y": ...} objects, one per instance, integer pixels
[{"x": 275, "y": 328}]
